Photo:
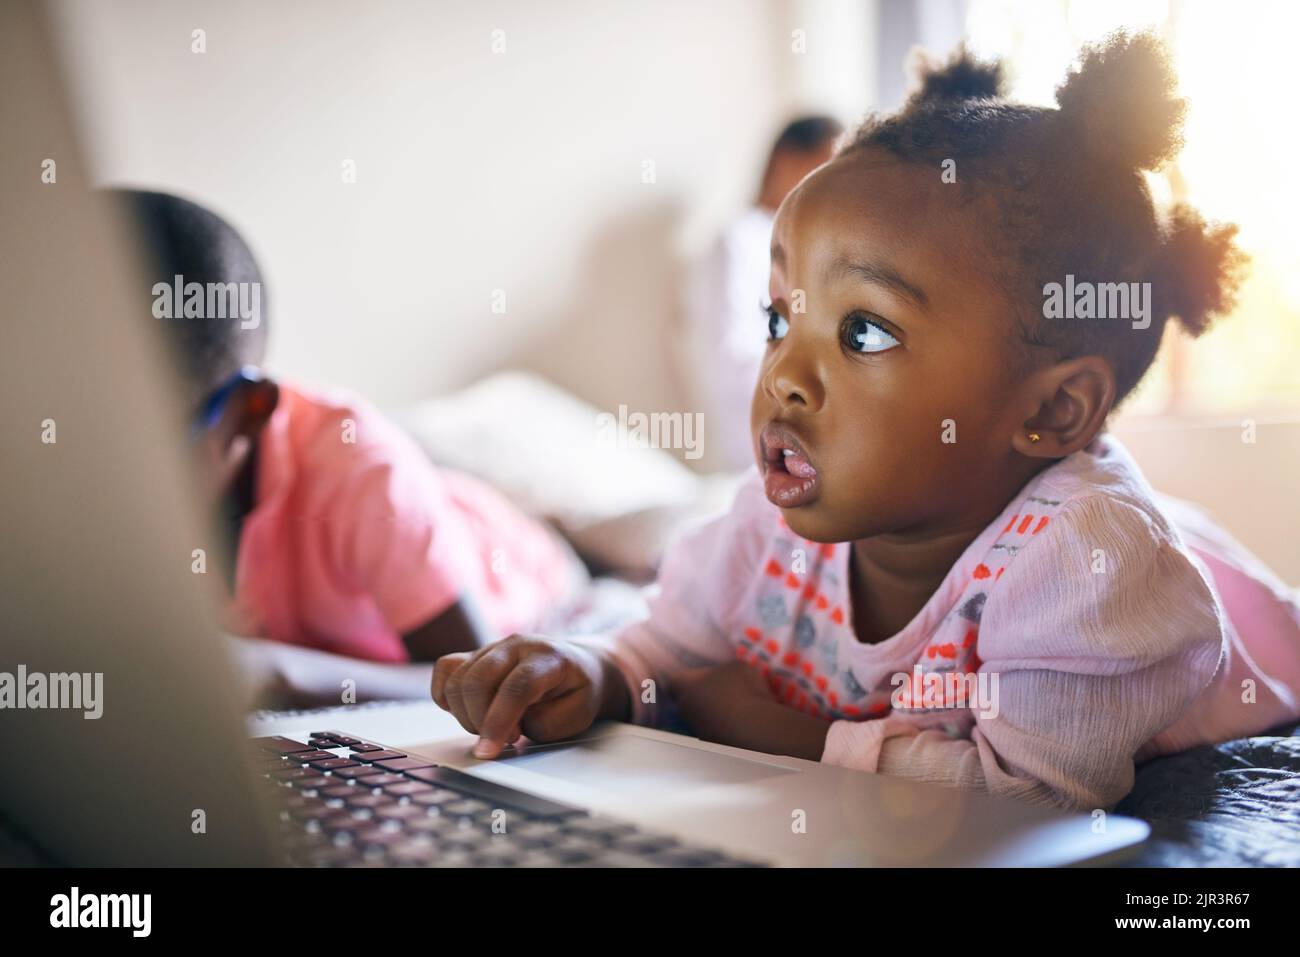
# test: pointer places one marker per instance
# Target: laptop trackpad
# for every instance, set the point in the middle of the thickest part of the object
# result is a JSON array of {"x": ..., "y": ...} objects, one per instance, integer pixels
[{"x": 631, "y": 764}]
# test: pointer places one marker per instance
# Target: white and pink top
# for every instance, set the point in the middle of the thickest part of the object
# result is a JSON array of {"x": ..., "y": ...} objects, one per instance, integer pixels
[{"x": 1111, "y": 624}]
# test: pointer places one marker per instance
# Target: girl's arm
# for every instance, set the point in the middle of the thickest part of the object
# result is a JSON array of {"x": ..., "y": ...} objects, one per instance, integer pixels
[
  {"x": 702, "y": 578},
  {"x": 732, "y": 704},
  {"x": 1091, "y": 662},
  {"x": 460, "y": 628}
]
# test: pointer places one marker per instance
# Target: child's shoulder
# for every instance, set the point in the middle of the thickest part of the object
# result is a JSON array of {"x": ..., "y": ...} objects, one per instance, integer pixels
[
  {"x": 1108, "y": 565},
  {"x": 329, "y": 434},
  {"x": 735, "y": 536},
  {"x": 1101, "y": 490}
]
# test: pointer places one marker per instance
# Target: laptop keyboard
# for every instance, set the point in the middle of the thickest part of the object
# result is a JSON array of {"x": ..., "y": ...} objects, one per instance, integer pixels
[{"x": 347, "y": 802}]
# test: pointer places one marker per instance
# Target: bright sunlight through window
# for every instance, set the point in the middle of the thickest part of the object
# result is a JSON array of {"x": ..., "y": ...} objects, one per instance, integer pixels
[{"x": 1241, "y": 137}]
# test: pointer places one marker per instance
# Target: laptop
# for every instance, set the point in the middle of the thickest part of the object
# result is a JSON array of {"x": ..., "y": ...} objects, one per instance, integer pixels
[
  {"x": 623, "y": 795},
  {"x": 97, "y": 592}
]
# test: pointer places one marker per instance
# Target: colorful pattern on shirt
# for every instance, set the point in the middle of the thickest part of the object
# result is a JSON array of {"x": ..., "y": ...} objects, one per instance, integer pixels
[{"x": 800, "y": 621}]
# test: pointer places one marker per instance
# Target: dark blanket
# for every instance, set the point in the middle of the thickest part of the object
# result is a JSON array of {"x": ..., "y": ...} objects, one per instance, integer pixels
[{"x": 1235, "y": 804}]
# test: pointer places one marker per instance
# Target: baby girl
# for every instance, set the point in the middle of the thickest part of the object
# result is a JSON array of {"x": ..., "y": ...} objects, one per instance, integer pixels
[{"x": 936, "y": 492}]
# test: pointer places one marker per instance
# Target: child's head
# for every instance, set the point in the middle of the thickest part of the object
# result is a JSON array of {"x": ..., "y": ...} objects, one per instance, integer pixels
[
  {"x": 802, "y": 146},
  {"x": 917, "y": 346},
  {"x": 208, "y": 298}
]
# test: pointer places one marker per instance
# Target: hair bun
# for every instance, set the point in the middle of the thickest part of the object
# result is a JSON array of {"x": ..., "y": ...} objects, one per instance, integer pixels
[
  {"x": 1199, "y": 268},
  {"x": 1121, "y": 100},
  {"x": 962, "y": 77}
]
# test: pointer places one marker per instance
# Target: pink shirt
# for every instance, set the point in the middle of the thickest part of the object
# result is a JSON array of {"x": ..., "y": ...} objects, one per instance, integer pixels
[
  {"x": 356, "y": 538},
  {"x": 1105, "y": 631}
]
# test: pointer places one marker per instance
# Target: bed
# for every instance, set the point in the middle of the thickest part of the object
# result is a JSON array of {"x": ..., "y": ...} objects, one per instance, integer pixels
[{"x": 1235, "y": 804}]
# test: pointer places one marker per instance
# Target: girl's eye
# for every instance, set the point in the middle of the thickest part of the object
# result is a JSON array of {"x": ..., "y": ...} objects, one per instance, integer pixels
[
  {"x": 777, "y": 324},
  {"x": 863, "y": 335}
]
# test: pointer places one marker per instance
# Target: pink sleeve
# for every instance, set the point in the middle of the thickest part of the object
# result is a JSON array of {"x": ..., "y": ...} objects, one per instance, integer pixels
[
  {"x": 398, "y": 538},
  {"x": 1100, "y": 634},
  {"x": 703, "y": 576}
]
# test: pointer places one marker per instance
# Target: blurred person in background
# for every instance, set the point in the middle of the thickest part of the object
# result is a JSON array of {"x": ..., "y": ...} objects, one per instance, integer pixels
[
  {"x": 726, "y": 332},
  {"x": 344, "y": 541}
]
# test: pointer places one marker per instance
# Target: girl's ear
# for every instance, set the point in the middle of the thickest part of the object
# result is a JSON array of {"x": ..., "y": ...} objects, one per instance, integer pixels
[{"x": 1070, "y": 401}]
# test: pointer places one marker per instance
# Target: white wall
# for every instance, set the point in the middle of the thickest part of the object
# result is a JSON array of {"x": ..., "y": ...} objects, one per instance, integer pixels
[
  {"x": 476, "y": 171},
  {"x": 1246, "y": 481},
  {"x": 519, "y": 171}
]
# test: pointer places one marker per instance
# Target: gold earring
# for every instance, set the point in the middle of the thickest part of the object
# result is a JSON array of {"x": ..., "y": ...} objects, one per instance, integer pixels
[{"x": 1034, "y": 436}]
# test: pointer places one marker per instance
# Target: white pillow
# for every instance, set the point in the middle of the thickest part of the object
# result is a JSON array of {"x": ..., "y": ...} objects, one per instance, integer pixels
[{"x": 551, "y": 454}]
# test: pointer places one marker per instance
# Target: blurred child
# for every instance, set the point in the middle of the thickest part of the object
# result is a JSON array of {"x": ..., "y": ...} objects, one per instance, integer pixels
[
  {"x": 721, "y": 355},
  {"x": 342, "y": 536}
]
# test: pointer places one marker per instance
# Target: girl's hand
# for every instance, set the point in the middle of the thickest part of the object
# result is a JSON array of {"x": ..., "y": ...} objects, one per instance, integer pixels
[{"x": 527, "y": 685}]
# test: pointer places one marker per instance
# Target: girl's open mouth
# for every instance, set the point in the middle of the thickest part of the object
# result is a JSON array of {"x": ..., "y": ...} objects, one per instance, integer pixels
[{"x": 789, "y": 478}]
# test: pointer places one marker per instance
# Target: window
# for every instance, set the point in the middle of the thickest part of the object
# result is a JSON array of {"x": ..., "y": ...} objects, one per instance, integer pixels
[{"x": 1235, "y": 66}]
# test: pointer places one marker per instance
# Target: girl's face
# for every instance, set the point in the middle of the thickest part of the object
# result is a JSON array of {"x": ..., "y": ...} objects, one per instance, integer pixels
[{"x": 887, "y": 400}]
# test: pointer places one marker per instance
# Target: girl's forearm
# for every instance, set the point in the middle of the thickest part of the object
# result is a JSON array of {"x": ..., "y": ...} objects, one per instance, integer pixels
[
  {"x": 615, "y": 696},
  {"x": 770, "y": 727}
]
